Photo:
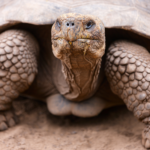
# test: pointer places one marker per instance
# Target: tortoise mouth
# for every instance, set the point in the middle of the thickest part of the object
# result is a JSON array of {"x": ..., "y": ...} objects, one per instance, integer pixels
[
  {"x": 86, "y": 49},
  {"x": 58, "y": 38}
]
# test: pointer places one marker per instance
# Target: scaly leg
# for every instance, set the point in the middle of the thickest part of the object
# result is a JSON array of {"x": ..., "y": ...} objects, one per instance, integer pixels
[
  {"x": 18, "y": 67},
  {"x": 128, "y": 72}
]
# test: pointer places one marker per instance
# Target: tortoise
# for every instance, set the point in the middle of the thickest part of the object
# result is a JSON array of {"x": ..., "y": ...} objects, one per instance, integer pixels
[{"x": 56, "y": 52}]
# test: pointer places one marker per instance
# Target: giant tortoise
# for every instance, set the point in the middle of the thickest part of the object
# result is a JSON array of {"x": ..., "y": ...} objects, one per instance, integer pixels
[{"x": 65, "y": 64}]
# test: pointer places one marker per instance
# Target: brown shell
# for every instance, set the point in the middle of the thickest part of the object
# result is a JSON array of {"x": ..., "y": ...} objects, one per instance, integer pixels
[{"x": 126, "y": 14}]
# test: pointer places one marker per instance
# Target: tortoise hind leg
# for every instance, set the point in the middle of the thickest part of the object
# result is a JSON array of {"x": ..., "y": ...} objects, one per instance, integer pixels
[
  {"x": 18, "y": 67},
  {"x": 128, "y": 72}
]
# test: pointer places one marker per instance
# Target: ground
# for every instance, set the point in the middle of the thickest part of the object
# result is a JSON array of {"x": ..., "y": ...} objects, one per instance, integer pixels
[{"x": 114, "y": 129}]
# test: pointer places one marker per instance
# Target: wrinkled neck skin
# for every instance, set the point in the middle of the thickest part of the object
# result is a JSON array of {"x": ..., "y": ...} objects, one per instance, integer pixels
[
  {"x": 81, "y": 76},
  {"x": 80, "y": 72}
]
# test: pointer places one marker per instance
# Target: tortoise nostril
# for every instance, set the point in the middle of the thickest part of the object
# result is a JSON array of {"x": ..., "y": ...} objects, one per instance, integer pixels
[{"x": 70, "y": 24}]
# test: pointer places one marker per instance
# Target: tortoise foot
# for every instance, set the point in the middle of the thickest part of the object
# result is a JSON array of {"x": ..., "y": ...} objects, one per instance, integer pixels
[
  {"x": 7, "y": 119},
  {"x": 146, "y": 137},
  {"x": 58, "y": 105}
]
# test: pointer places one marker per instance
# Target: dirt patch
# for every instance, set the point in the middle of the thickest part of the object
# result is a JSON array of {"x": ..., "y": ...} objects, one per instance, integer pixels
[{"x": 114, "y": 129}]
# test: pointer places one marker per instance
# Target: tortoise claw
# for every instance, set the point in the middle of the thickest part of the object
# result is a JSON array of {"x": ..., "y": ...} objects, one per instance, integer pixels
[
  {"x": 146, "y": 137},
  {"x": 3, "y": 126},
  {"x": 7, "y": 119}
]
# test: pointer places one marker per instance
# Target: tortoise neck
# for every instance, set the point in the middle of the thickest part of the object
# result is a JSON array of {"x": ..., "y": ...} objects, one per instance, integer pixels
[{"x": 82, "y": 78}]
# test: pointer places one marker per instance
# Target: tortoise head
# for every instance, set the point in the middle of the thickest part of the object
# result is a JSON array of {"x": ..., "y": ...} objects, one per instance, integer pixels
[{"x": 79, "y": 42}]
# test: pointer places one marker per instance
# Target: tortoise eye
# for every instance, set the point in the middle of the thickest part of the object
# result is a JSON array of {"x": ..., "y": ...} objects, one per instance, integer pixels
[{"x": 89, "y": 25}]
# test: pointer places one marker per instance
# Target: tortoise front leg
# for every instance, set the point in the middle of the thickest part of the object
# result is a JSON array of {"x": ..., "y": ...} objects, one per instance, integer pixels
[
  {"x": 128, "y": 72},
  {"x": 18, "y": 67}
]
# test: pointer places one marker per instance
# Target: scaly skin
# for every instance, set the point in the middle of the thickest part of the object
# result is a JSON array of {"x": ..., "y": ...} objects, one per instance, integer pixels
[
  {"x": 18, "y": 67},
  {"x": 128, "y": 72}
]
